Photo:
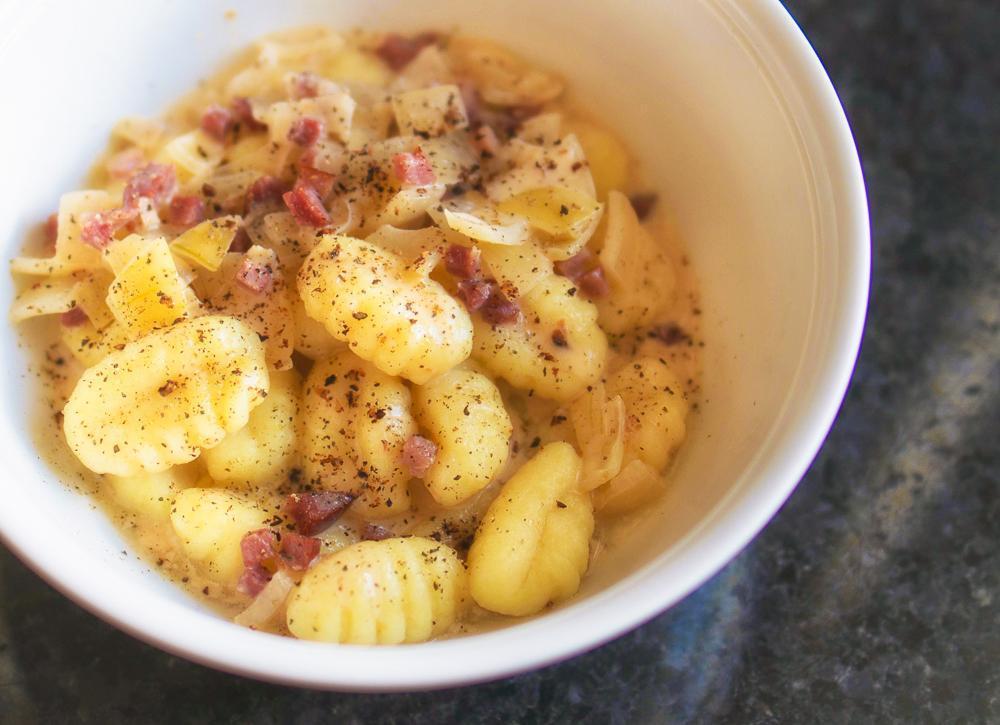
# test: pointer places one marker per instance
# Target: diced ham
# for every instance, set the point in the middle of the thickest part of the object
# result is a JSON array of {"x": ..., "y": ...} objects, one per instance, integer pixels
[
  {"x": 670, "y": 333},
  {"x": 243, "y": 114},
  {"x": 306, "y": 131},
  {"x": 260, "y": 560},
  {"x": 486, "y": 142},
  {"x": 474, "y": 293},
  {"x": 413, "y": 169},
  {"x": 156, "y": 182},
  {"x": 186, "y": 210},
  {"x": 462, "y": 262},
  {"x": 97, "y": 229},
  {"x": 304, "y": 85},
  {"x": 498, "y": 309},
  {"x": 265, "y": 190},
  {"x": 374, "y": 532},
  {"x": 418, "y": 455},
  {"x": 313, "y": 512},
  {"x": 297, "y": 551},
  {"x": 643, "y": 204},
  {"x": 399, "y": 50},
  {"x": 252, "y": 581},
  {"x": 306, "y": 205},
  {"x": 593, "y": 284},
  {"x": 575, "y": 265},
  {"x": 241, "y": 242},
  {"x": 217, "y": 122},
  {"x": 255, "y": 276},
  {"x": 586, "y": 273},
  {"x": 73, "y": 317},
  {"x": 321, "y": 181},
  {"x": 124, "y": 163},
  {"x": 52, "y": 230}
]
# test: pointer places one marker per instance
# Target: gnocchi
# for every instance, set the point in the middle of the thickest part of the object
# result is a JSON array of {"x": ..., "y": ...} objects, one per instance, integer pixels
[
  {"x": 407, "y": 325},
  {"x": 380, "y": 592},
  {"x": 355, "y": 422},
  {"x": 465, "y": 417},
  {"x": 369, "y": 340},
  {"x": 533, "y": 545},
  {"x": 160, "y": 400},
  {"x": 556, "y": 348}
]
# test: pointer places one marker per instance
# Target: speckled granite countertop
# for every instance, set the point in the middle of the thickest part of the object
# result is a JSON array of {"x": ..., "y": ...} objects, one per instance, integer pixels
[{"x": 874, "y": 596}]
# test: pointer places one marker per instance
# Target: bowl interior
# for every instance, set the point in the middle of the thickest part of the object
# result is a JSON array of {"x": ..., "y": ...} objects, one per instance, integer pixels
[{"x": 736, "y": 127}]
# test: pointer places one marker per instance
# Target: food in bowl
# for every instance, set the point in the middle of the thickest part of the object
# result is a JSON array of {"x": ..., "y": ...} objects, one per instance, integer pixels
[{"x": 372, "y": 339}]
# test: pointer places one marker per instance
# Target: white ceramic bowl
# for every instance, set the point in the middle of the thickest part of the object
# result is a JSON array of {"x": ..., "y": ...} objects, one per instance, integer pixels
[{"x": 745, "y": 138}]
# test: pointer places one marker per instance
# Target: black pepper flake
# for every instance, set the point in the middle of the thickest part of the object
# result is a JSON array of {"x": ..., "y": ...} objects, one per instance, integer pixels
[
  {"x": 167, "y": 388},
  {"x": 359, "y": 315},
  {"x": 563, "y": 210},
  {"x": 560, "y": 504}
]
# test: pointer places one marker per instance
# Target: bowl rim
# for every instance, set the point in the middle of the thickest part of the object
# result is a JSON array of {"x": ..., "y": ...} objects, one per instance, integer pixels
[{"x": 183, "y": 630}]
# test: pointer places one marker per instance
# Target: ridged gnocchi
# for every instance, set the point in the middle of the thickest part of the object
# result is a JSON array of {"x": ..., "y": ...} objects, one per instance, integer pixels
[
  {"x": 533, "y": 545},
  {"x": 210, "y": 523},
  {"x": 407, "y": 325},
  {"x": 555, "y": 349},
  {"x": 463, "y": 414},
  {"x": 160, "y": 400},
  {"x": 262, "y": 453},
  {"x": 655, "y": 410},
  {"x": 355, "y": 421},
  {"x": 380, "y": 592}
]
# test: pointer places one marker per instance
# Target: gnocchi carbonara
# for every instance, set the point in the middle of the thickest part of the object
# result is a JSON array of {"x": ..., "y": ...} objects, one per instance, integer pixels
[{"x": 373, "y": 337}]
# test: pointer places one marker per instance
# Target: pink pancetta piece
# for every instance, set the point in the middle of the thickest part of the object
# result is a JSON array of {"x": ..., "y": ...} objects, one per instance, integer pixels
[
  {"x": 255, "y": 276},
  {"x": 97, "y": 229},
  {"x": 418, "y": 455},
  {"x": 217, "y": 122},
  {"x": 73, "y": 317},
  {"x": 186, "y": 210},
  {"x": 413, "y": 169},
  {"x": 306, "y": 205},
  {"x": 399, "y": 50},
  {"x": 313, "y": 512},
  {"x": 156, "y": 182},
  {"x": 306, "y": 131},
  {"x": 462, "y": 262},
  {"x": 297, "y": 551}
]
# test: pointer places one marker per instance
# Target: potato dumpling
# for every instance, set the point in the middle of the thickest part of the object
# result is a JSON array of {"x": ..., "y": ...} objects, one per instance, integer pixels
[
  {"x": 210, "y": 524},
  {"x": 148, "y": 292},
  {"x": 380, "y": 592},
  {"x": 403, "y": 322},
  {"x": 639, "y": 275},
  {"x": 160, "y": 400},
  {"x": 261, "y": 454},
  {"x": 355, "y": 421},
  {"x": 655, "y": 409},
  {"x": 152, "y": 494},
  {"x": 533, "y": 544},
  {"x": 555, "y": 349},
  {"x": 269, "y": 311},
  {"x": 463, "y": 414}
]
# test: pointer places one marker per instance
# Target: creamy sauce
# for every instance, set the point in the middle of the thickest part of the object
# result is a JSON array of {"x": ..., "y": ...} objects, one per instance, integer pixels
[{"x": 54, "y": 371}]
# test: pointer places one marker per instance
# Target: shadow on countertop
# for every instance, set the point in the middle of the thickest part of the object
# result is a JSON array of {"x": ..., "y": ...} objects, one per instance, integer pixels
[{"x": 874, "y": 595}]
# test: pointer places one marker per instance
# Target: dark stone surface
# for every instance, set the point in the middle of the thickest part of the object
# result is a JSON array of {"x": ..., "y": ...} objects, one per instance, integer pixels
[{"x": 874, "y": 596}]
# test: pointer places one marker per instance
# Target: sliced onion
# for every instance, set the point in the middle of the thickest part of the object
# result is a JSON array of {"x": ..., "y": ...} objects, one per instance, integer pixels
[
  {"x": 599, "y": 424},
  {"x": 636, "y": 484},
  {"x": 268, "y": 603}
]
